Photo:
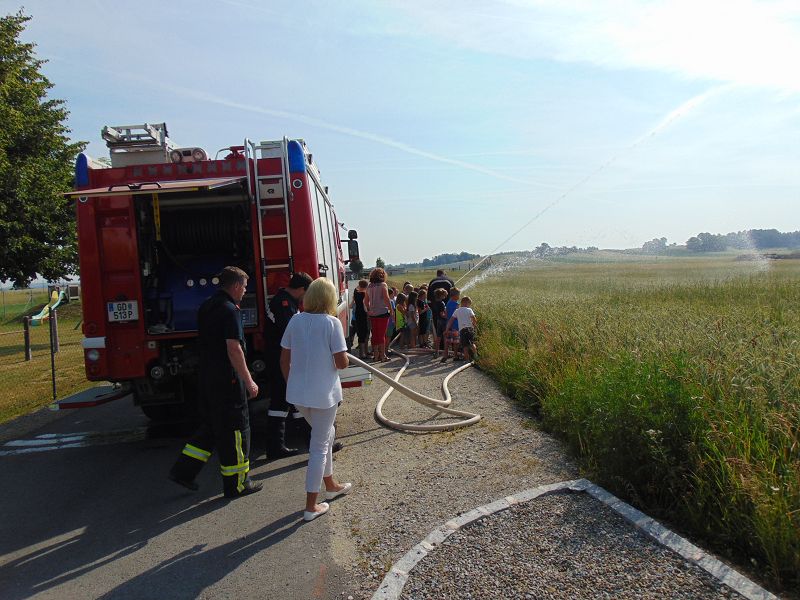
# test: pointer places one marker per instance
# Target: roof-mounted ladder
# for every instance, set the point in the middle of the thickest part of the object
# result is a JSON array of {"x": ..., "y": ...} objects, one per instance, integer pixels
[
  {"x": 272, "y": 194},
  {"x": 137, "y": 144}
]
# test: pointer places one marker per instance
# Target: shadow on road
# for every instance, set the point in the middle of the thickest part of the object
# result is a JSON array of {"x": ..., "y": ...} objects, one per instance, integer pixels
[
  {"x": 70, "y": 512},
  {"x": 196, "y": 569}
]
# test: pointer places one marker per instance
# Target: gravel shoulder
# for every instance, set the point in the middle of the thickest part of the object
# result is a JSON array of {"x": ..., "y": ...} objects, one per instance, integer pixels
[
  {"x": 408, "y": 483},
  {"x": 558, "y": 546}
]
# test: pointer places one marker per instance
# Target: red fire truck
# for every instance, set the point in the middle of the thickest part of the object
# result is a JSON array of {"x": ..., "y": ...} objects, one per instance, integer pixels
[{"x": 156, "y": 226}]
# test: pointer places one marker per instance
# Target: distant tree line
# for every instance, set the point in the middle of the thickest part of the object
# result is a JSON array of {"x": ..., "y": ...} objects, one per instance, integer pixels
[
  {"x": 752, "y": 239},
  {"x": 447, "y": 258},
  {"x": 655, "y": 246},
  {"x": 545, "y": 250},
  {"x": 440, "y": 259}
]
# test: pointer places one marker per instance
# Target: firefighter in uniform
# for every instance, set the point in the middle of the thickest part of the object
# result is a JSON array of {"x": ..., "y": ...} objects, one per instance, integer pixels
[
  {"x": 225, "y": 384},
  {"x": 283, "y": 306}
]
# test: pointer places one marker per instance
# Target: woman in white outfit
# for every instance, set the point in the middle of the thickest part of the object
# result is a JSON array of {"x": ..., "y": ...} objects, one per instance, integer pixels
[{"x": 313, "y": 348}]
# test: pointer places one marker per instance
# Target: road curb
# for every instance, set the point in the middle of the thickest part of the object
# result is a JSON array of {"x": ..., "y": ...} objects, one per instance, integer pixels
[{"x": 393, "y": 583}]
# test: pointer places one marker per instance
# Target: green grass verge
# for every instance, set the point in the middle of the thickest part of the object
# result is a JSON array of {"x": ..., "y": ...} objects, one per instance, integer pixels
[
  {"x": 676, "y": 381},
  {"x": 15, "y": 303},
  {"x": 27, "y": 385}
]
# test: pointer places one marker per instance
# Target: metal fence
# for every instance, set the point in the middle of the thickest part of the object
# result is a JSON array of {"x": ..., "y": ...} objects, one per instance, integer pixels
[
  {"x": 40, "y": 361},
  {"x": 66, "y": 356}
]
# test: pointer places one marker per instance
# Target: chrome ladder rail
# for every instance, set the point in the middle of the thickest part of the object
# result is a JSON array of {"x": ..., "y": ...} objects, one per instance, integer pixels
[
  {"x": 261, "y": 208},
  {"x": 287, "y": 196},
  {"x": 255, "y": 196}
]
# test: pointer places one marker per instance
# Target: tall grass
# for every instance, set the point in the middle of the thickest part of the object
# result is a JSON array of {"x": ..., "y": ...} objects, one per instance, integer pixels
[{"x": 676, "y": 381}]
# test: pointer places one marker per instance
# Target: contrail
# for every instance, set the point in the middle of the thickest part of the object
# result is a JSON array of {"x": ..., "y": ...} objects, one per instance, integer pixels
[
  {"x": 364, "y": 135},
  {"x": 681, "y": 111},
  {"x": 314, "y": 121}
]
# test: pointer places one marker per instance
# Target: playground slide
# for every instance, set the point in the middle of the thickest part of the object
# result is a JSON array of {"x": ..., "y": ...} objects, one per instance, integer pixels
[{"x": 56, "y": 298}]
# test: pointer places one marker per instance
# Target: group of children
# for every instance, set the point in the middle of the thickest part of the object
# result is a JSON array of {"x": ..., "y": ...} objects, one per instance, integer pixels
[{"x": 445, "y": 323}]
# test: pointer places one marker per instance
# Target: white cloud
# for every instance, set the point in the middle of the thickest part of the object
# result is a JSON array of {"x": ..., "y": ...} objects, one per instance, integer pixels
[{"x": 745, "y": 42}]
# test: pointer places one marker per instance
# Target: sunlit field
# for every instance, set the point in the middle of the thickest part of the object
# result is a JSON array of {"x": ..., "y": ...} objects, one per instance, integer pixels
[{"x": 677, "y": 382}]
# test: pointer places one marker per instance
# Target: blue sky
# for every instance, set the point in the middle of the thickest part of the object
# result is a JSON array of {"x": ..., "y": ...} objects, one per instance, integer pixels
[{"x": 445, "y": 126}]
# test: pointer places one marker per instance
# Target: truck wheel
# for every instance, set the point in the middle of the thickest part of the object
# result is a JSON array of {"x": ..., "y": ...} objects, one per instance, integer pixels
[
  {"x": 162, "y": 412},
  {"x": 174, "y": 401}
]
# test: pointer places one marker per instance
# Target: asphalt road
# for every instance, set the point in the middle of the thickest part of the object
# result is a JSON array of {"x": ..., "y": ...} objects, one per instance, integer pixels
[{"x": 86, "y": 511}]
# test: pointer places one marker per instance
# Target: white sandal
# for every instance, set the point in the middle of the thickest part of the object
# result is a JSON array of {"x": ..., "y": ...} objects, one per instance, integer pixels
[
  {"x": 309, "y": 515},
  {"x": 342, "y": 492}
]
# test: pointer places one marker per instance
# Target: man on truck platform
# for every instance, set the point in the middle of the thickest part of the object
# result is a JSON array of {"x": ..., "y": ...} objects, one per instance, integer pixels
[
  {"x": 283, "y": 306},
  {"x": 440, "y": 281},
  {"x": 225, "y": 384}
]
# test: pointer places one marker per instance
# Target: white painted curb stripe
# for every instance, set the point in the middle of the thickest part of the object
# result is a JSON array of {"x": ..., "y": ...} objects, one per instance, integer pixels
[
  {"x": 392, "y": 585},
  {"x": 47, "y": 442}
]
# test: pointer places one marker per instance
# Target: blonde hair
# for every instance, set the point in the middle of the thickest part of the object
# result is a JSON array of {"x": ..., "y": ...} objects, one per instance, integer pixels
[{"x": 320, "y": 297}]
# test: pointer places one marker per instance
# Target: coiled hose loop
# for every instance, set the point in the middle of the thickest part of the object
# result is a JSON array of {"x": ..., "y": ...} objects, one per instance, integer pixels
[{"x": 440, "y": 406}]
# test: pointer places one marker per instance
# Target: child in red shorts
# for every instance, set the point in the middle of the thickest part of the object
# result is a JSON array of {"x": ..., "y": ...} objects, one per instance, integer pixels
[
  {"x": 439, "y": 319},
  {"x": 451, "y": 339}
]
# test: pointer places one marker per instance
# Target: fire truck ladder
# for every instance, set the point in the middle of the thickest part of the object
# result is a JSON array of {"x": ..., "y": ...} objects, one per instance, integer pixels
[{"x": 272, "y": 194}]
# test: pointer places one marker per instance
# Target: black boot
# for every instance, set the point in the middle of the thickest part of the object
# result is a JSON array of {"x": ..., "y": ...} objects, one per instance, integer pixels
[
  {"x": 184, "y": 471},
  {"x": 303, "y": 431},
  {"x": 249, "y": 487},
  {"x": 176, "y": 476},
  {"x": 276, "y": 439}
]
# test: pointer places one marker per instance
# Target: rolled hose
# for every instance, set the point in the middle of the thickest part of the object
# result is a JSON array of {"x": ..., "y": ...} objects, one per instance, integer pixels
[{"x": 440, "y": 406}]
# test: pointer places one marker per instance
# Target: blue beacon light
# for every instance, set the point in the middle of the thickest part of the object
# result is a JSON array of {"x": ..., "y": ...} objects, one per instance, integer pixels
[
  {"x": 297, "y": 158},
  {"x": 81, "y": 170}
]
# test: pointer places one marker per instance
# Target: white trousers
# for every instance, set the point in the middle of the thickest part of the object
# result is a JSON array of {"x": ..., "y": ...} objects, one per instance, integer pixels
[{"x": 320, "y": 450}]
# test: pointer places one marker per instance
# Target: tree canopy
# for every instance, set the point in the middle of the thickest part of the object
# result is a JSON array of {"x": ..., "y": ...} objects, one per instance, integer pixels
[
  {"x": 655, "y": 246},
  {"x": 37, "y": 226},
  {"x": 447, "y": 258}
]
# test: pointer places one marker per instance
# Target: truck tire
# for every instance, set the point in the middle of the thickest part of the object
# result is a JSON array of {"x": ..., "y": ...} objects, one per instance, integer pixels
[
  {"x": 177, "y": 403},
  {"x": 161, "y": 413}
]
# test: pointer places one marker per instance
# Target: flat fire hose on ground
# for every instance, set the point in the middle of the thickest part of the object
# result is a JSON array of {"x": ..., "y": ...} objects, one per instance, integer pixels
[{"x": 441, "y": 406}]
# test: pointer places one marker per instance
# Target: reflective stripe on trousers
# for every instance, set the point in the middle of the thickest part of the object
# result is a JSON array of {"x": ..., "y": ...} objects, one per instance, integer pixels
[
  {"x": 195, "y": 452},
  {"x": 243, "y": 465}
]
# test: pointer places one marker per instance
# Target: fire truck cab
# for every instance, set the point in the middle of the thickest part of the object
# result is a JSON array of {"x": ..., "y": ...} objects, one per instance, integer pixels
[{"x": 158, "y": 224}]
